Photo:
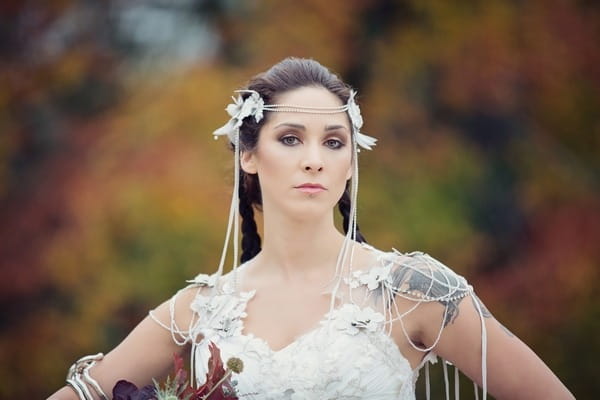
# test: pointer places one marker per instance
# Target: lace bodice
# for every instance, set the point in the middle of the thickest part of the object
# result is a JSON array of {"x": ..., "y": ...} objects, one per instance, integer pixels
[{"x": 348, "y": 355}]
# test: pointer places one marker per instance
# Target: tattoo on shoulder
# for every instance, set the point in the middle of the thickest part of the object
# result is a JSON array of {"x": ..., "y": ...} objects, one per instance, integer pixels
[
  {"x": 484, "y": 311},
  {"x": 487, "y": 314},
  {"x": 432, "y": 287}
]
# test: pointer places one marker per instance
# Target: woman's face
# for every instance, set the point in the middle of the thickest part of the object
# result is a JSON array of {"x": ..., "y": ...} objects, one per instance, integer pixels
[{"x": 302, "y": 160}]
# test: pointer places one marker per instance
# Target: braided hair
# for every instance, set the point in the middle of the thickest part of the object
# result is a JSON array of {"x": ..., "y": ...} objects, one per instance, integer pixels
[{"x": 289, "y": 74}]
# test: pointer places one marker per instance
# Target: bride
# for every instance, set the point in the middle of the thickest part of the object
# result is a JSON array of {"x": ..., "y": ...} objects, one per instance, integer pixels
[{"x": 311, "y": 312}]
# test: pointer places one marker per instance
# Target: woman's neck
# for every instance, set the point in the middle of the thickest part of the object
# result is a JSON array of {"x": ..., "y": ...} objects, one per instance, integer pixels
[{"x": 299, "y": 249}]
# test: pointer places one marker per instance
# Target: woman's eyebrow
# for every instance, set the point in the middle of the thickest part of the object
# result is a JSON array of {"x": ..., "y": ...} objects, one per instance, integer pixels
[
  {"x": 291, "y": 125},
  {"x": 334, "y": 127}
]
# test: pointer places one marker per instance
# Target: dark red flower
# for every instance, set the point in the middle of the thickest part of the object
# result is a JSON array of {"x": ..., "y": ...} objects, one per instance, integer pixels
[
  {"x": 125, "y": 390},
  {"x": 218, "y": 384}
]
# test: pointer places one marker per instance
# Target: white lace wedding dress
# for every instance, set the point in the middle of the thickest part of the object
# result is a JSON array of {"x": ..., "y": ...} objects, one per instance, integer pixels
[{"x": 349, "y": 355}]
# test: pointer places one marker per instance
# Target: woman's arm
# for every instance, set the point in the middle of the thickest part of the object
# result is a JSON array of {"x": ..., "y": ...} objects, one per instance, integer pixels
[
  {"x": 146, "y": 353},
  {"x": 514, "y": 371}
]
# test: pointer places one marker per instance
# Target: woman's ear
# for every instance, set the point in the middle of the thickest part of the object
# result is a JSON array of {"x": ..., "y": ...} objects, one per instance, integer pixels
[
  {"x": 248, "y": 162},
  {"x": 350, "y": 171}
]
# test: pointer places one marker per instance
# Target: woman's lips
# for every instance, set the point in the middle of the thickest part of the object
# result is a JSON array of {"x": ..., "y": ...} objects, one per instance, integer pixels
[{"x": 310, "y": 188}]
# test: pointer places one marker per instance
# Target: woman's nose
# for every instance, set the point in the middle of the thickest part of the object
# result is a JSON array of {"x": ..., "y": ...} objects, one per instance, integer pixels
[{"x": 312, "y": 162}]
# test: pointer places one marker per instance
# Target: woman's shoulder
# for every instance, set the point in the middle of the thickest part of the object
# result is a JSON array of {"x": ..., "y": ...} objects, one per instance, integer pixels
[
  {"x": 418, "y": 275},
  {"x": 215, "y": 282},
  {"x": 181, "y": 302},
  {"x": 202, "y": 295}
]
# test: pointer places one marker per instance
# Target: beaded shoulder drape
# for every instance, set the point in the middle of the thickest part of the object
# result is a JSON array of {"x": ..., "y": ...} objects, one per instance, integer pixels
[{"x": 349, "y": 354}]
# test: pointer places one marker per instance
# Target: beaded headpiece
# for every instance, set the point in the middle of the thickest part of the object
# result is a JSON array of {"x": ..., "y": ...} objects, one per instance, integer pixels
[{"x": 253, "y": 106}]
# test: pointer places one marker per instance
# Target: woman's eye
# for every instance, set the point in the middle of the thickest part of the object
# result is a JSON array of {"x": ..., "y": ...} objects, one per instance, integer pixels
[
  {"x": 289, "y": 140},
  {"x": 334, "y": 143}
]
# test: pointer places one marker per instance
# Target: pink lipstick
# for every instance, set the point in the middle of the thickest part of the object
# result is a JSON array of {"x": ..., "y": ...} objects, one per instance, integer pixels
[{"x": 310, "y": 188}]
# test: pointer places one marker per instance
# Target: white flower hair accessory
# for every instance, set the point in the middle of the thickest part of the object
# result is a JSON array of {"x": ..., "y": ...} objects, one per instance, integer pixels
[
  {"x": 255, "y": 106},
  {"x": 362, "y": 140}
]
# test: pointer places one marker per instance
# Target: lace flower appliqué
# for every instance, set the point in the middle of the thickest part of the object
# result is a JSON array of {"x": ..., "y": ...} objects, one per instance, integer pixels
[
  {"x": 371, "y": 278},
  {"x": 351, "y": 319},
  {"x": 221, "y": 313},
  {"x": 205, "y": 280}
]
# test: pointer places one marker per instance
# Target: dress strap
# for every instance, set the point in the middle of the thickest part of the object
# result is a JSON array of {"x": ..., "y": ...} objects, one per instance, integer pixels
[
  {"x": 446, "y": 383},
  {"x": 456, "y": 384}
]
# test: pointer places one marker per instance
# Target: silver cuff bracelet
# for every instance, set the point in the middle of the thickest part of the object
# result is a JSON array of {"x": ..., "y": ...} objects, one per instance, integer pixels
[{"x": 80, "y": 380}]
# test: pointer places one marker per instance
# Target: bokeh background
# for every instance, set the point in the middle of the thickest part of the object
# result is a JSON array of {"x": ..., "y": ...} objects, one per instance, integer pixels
[{"x": 113, "y": 192}]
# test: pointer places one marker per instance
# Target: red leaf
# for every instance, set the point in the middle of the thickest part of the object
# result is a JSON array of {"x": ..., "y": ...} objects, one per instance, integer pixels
[
  {"x": 180, "y": 372},
  {"x": 214, "y": 375}
]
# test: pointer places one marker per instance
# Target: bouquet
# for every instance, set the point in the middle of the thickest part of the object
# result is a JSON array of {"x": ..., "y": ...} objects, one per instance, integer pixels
[{"x": 218, "y": 385}]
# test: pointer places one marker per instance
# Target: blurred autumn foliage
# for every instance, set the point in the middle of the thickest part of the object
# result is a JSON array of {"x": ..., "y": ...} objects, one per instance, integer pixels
[{"x": 112, "y": 191}]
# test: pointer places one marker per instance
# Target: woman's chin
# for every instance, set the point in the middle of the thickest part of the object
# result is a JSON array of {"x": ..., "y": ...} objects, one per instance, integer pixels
[{"x": 306, "y": 211}]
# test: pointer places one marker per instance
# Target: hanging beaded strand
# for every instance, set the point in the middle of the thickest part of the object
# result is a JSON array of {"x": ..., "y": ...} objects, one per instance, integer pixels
[{"x": 253, "y": 106}]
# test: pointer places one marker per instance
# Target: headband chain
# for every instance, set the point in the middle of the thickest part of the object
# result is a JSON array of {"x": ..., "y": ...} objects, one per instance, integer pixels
[{"x": 255, "y": 106}]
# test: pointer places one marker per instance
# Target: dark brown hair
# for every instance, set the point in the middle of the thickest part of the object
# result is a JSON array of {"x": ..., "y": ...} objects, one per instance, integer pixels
[{"x": 289, "y": 74}]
